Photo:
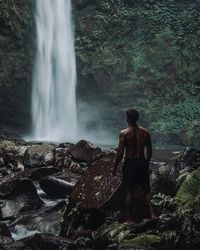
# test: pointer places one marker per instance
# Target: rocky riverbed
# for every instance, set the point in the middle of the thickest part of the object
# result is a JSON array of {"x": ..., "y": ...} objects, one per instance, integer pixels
[{"x": 64, "y": 196}]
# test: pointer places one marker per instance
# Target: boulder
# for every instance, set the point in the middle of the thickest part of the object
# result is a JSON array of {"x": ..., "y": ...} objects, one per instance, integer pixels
[
  {"x": 165, "y": 180},
  {"x": 7, "y": 184},
  {"x": 56, "y": 187},
  {"x": 98, "y": 184},
  {"x": 22, "y": 198},
  {"x": 5, "y": 241},
  {"x": 77, "y": 169},
  {"x": 66, "y": 145},
  {"x": 4, "y": 230},
  {"x": 62, "y": 158},
  {"x": 77, "y": 219},
  {"x": 39, "y": 155},
  {"x": 37, "y": 174},
  {"x": 45, "y": 241},
  {"x": 41, "y": 242},
  {"x": 84, "y": 151}
]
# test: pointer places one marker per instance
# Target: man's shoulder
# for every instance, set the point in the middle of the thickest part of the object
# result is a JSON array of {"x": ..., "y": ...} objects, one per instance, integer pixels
[
  {"x": 144, "y": 130},
  {"x": 123, "y": 132}
]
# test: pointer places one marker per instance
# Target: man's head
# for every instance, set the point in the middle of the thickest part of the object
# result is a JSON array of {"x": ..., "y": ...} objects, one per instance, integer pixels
[{"x": 132, "y": 116}]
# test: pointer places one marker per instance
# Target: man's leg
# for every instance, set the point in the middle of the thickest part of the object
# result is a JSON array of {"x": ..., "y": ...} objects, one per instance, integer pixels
[
  {"x": 129, "y": 205},
  {"x": 148, "y": 198}
]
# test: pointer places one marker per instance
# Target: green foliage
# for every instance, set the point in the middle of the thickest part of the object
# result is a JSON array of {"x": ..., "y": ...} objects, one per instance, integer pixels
[
  {"x": 143, "y": 241},
  {"x": 116, "y": 232},
  {"x": 169, "y": 236},
  {"x": 147, "y": 53},
  {"x": 175, "y": 117},
  {"x": 164, "y": 201},
  {"x": 188, "y": 194}
]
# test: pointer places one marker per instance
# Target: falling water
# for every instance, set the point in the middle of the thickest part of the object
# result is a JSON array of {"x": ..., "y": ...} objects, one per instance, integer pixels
[{"x": 54, "y": 112}]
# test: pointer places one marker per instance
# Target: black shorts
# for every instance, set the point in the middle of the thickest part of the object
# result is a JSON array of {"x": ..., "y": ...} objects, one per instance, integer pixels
[{"x": 136, "y": 173}]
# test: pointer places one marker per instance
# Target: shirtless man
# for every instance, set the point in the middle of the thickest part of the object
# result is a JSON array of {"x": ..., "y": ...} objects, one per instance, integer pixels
[{"x": 133, "y": 142}]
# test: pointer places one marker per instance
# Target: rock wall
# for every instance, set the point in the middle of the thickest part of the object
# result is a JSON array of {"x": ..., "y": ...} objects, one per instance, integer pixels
[{"x": 17, "y": 43}]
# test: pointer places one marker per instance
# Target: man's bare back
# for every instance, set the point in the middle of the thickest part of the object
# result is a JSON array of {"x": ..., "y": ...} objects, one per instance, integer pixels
[
  {"x": 133, "y": 141},
  {"x": 136, "y": 138}
]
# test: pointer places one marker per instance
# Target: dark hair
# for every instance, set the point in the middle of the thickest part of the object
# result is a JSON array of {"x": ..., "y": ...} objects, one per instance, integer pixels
[{"x": 132, "y": 115}]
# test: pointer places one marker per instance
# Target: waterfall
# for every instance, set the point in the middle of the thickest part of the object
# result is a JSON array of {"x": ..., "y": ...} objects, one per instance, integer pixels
[{"x": 54, "y": 114}]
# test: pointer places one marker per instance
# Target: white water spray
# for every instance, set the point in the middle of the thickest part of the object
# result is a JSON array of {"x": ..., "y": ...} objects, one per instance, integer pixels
[{"x": 54, "y": 112}]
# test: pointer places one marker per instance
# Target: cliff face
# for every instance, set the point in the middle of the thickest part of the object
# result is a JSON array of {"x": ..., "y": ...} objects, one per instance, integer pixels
[
  {"x": 130, "y": 53},
  {"x": 17, "y": 42}
]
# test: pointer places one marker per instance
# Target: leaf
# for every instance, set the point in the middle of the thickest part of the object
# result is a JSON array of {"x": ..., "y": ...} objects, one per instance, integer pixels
[{"x": 189, "y": 192}]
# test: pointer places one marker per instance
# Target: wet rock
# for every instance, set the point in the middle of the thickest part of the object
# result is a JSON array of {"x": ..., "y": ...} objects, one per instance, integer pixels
[
  {"x": 98, "y": 184},
  {"x": 39, "y": 155},
  {"x": 19, "y": 166},
  {"x": 62, "y": 158},
  {"x": 42, "y": 241},
  {"x": 165, "y": 180},
  {"x": 7, "y": 184},
  {"x": 20, "y": 151},
  {"x": 23, "y": 197},
  {"x": 67, "y": 162},
  {"x": 45, "y": 220},
  {"x": 56, "y": 187},
  {"x": 37, "y": 174},
  {"x": 77, "y": 169},
  {"x": 5, "y": 241},
  {"x": 84, "y": 151},
  {"x": 18, "y": 245},
  {"x": 1, "y": 162},
  {"x": 77, "y": 219},
  {"x": 4, "y": 230},
  {"x": 66, "y": 145},
  {"x": 9, "y": 135},
  {"x": 5, "y": 171}
]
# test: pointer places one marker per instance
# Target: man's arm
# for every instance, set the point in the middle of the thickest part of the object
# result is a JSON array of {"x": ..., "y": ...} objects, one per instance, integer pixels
[
  {"x": 149, "y": 148},
  {"x": 120, "y": 151}
]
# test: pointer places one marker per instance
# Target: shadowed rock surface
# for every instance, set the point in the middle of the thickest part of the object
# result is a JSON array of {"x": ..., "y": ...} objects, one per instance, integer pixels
[
  {"x": 42, "y": 242},
  {"x": 56, "y": 187},
  {"x": 23, "y": 197}
]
